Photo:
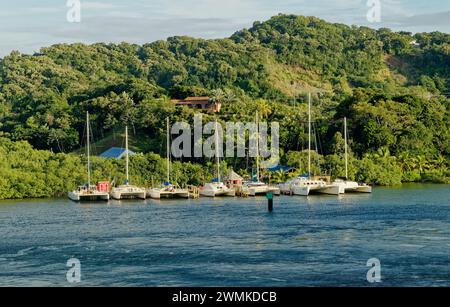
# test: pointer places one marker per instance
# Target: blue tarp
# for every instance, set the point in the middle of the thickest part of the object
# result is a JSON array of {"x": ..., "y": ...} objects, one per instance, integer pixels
[
  {"x": 280, "y": 168},
  {"x": 116, "y": 153}
]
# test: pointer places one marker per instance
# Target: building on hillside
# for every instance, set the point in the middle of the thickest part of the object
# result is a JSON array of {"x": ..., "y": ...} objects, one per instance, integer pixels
[
  {"x": 116, "y": 153},
  {"x": 200, "y": 103},
  {"x": 414, "y": 43}
]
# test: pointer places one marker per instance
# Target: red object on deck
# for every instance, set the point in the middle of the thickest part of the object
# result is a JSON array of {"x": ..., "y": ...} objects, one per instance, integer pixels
[{"x": 103, "y": 186}]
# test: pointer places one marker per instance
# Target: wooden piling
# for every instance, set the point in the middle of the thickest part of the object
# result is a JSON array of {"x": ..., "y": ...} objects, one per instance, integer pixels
[{"x": 194, "y": 192}]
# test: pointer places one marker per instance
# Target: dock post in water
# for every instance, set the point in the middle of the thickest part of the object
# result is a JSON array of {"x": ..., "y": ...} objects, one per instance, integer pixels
[{"x": 269, "y": 196}]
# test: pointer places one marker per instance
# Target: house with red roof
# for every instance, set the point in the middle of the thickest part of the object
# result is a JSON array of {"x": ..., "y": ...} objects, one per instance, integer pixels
[{"x": 200, "y": 103}]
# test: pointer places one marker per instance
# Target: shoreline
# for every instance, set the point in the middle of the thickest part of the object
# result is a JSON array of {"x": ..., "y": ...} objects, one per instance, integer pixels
[{"x": 405, "y": 186}]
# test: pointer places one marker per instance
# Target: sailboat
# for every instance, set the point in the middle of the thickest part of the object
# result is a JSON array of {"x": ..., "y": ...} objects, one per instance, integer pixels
[
  {"x": 127, "y": 191},
  {"x": 305, "y": 185},
  {"x": 217, "y": 187},
  {"x": 345, "y": 185},
  {"x": 256, "y": 187},
  {"x": 88, "y": 192},
  {"x": 167, "y": 190}
]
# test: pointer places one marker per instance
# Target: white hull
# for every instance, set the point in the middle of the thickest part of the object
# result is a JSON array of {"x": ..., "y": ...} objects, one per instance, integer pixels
[
  {"x": 285, "y": 188},
  {"x": 359, "y": 189},
  {"x": 214, "y": 189},
  {"x": 352, "y": 187},
  {"x": 262, "y": 190},
  {"x": 128, "y": 192},
  {"x": 93, "y": 196},
  {"x": 330, "y": 190},
  {"x": 253, "y": 191},
  {"x": 274, "y": 190},
  {"x": 216, "y": 193},
  {"x": 319, "y": 189},
  {"x": 301, "y": 190},
  {"x": 363, "y": 189},
  {"x": 161, "y": 193}
]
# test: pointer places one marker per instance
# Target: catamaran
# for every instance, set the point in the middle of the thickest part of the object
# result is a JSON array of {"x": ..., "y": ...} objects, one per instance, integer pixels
[
  {"x": 88, "y": 192},
  {"x": 345, "y": 185},
  {"x": 217, "y": 187},
  {"x": 257, "y": 187},
  {"x": 305, "y": 185},
  {"x": 127, "y": 191},
  {"x": 260, "y": 188},
  {"x": 167, "y": 190}
]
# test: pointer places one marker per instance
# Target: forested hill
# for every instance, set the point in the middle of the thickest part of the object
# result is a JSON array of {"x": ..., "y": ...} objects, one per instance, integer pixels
[{"x": 393, "y": 86}]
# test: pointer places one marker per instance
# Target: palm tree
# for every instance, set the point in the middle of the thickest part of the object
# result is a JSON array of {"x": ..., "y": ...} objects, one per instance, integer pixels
[
  {"x": 279, "y": 176},
  {"x": 217, "y": 96},
  {"x": 406, "y": 161},
  {"x": 421, "y": 163},
  {"x": 229, "y": 96},
  {"x": 440, "y": 163},
  {"x": 383, "y": 152}
]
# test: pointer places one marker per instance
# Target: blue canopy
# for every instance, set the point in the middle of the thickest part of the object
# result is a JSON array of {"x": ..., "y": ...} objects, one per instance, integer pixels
[
  {"x": 280, "y": 168},
  {"x": 116, "y": 153}
]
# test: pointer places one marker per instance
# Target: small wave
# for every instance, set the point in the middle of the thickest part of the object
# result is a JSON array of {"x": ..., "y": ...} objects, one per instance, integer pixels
[
  {"x": 49, "y": 248},
  {"x": 24, "y": 251}
]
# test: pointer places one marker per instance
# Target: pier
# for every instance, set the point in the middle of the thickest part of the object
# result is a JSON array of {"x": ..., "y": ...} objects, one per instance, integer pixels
[{"x": 194, "y": 191}]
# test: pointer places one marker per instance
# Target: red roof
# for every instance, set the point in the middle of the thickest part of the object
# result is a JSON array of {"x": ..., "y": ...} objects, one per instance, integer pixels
[
  {"x": 193, "y": 100},
  {"x": 197, "y": 99}
]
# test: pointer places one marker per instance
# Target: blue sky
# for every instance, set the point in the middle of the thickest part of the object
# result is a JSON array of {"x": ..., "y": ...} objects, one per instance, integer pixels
[{"x": 27, "y": 25}]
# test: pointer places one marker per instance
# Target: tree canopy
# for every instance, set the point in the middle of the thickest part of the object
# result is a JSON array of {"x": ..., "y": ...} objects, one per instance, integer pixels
[{"x": 392, "y": 86}]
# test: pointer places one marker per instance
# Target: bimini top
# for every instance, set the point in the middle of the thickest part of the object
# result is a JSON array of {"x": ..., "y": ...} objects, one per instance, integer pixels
[
  {"x": 280, "y": 168},
  {"x": 116, "y": 153}
]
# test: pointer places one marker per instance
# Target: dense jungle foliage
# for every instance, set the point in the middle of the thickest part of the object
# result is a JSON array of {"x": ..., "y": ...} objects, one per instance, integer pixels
[{"x": 392, "y": 86}]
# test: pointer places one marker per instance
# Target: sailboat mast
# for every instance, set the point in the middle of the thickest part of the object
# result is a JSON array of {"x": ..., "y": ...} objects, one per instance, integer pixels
[
  {"x": 346, "y": 151},
  {"x": 88, "y": 150},
  {"x": 257, "y": 146},
  {"x": 168, "y": 152},
  {"x": 217, "y": 152},
  {"x": 309, "y": 135},
  {"x": 126, "y": 154}
]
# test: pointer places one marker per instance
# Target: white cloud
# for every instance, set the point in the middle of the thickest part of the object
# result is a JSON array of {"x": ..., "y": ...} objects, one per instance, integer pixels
[
  {"x": 434, "y": 19},
  {"x": 86, "y": 5},
  {"x": 28, "y": 23}
]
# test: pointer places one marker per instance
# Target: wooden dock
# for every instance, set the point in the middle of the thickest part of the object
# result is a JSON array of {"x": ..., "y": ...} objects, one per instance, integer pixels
[
  {"x": 241, "y": 192},
  {"x": 194, "y": 192}
]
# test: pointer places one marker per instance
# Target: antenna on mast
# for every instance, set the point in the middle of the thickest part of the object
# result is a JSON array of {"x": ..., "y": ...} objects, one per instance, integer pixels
[
  {"x": 126, "y": 154},
  {"x": 257, "y": 147},
  {"x": 88, "y": 150},
  {"x": 217, "y": 151},
  {"x": 346, "y": 151},
  {"x": 168, "y": 151},
  {"x": 309, "y": 135}
]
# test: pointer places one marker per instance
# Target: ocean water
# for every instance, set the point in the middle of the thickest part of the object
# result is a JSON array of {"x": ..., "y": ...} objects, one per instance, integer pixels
[{"x": 314, "y": 241}]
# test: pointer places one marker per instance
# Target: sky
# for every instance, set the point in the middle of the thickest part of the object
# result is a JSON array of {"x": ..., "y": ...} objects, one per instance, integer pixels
[{"x": 28, "y": 25}]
